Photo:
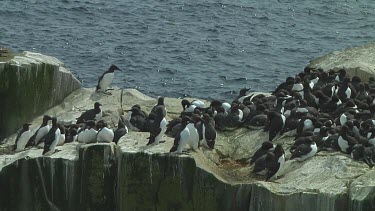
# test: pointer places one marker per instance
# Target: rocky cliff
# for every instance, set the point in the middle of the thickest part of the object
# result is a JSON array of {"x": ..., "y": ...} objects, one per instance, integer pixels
[
  {"x": 358, "y": 61},
  {"x": 133, "y": 176},
  {"x": 31, "y": 83}
]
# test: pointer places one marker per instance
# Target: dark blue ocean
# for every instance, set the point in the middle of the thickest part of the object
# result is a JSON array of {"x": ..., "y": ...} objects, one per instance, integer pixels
[{"x": 207, "y": 49}]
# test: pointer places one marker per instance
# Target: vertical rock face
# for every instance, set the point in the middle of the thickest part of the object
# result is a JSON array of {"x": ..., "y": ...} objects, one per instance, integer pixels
[
  {"x": 167, "y": 182},
  {"x": 44, "y": 183},
  {"x": 104, "y": 178},
  {"x": 30, "y": 84}
]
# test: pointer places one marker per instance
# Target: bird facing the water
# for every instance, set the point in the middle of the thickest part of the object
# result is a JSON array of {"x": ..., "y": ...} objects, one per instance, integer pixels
[{"x": 106, "y": 78}]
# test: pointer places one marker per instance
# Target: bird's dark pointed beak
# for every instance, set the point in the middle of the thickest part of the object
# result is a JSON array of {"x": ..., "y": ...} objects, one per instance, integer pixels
[{"x": 119, "y": 69}]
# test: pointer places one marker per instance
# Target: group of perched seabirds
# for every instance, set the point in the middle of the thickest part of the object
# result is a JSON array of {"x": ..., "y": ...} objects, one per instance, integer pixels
[{"x": 322, "y": 110}]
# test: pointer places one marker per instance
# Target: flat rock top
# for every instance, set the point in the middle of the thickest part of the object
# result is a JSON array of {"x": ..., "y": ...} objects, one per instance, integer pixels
[
  {"x": 327, "y": 172},
  {"x": 357, "y": 61}
]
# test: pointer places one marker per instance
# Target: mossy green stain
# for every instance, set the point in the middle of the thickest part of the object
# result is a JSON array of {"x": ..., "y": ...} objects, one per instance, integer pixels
[{"x": 21, "y": 88}]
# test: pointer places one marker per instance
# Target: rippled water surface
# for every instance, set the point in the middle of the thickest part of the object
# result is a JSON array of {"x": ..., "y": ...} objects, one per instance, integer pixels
[{"x": 207, "y": 49}]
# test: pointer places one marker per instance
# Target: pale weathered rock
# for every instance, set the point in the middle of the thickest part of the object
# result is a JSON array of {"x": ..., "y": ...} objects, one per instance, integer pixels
[
  {"x": 358, "y": 61},
  {"x": 143, "y": 177},
  {"x": 31, "y": 83}
]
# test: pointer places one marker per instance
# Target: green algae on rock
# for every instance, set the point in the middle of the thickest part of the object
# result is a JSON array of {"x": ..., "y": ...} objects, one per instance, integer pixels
[{"x": 31, "y": 83}]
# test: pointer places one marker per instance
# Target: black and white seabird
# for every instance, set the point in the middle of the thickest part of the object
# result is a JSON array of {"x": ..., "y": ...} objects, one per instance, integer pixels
[
  {"x": 260, "y": 167},
  {"x": 120, "y": 131},
  {"x": 158, "y": 126},
  {"x": 106, "y": 78},
  {"x": 266, "y": 147},
  {"x": 305, "y": 151},
  {"x": 243, "y": 97},
  {"x": 22, "y": 138},
  {"x": 345, "y": 141},
  {"x": 216, "y": 103},
  {"x": 88, "y": 134},
  {"x": 42, "y": 130},
  {"x": 92, "y": 114},
  {"x": 137, "y": 120},
  {"x": 51, "y": 138},
  {"x": 187, "y": 107},
  {"x": 274, "y": 162},
  {"x": 208, "y": 132},
  {"x": 104, "y": 133},
  {"x": 62, "y": 134},
  {"x": 161, "y": 105},
  {"x": 276, "y": 122},
  {"x": 182, "y": 137},
  {"x": 298, "y": 87},
  {"x": 357, "y": 152}
]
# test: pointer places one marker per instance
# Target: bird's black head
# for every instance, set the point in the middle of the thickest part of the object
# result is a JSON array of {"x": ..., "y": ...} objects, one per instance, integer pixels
[
  {"x": 54, "y": 121},
  {"x": 97, "y": 105},
  {"x": 266, "y": 145},
  {"x": 114, "y": 67},
  {"x": 137, "y": 106},
  {"x": 135, "y": 110},
  {"x": 161, "y": 101},
  {"x": 243, "y": 91},
  {"x": 121, "y": 122},
  {"x": 46, "y": 118},
  {"x": 185, "y": 103},
  {"x": 279, "y": 150},
  {"x": 26, "y": 126}
]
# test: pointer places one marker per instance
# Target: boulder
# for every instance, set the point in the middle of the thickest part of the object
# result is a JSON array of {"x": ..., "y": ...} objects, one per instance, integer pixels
[
  {"x": 358, "y": 61},
  {"x": 31, "y": 83}
]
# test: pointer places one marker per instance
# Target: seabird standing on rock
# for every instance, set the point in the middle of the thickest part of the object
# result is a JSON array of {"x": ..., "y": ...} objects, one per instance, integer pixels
[
  {"x": 106, "y": 79},
  {"x": 275, "y": 124},
  {"x": 216, "y": 103},
  {"x": 305, "y": 151},
  {"x": 137, "y": 120},
  {"x": 62, "y": 134},
  {"x": 158, "y": 126},
  {"x": 88, "y": 134},
  {"x": 92, "y": 114},
  {"x": 263, "y": 150},
  {"x": 183, "y": 136},
  {"x": 242, "y": 97},
  {"x": 345, "y": 141},
  {"x": 104, "y": 133},
  {"x": 298, "y": 87},
  {"x": 208, "y": 132},
  {"x": 51, "y": 138},
  {"x": 42, "y": 131},
  {"x": 22, "y": 138},
  {"x": 274, "y": 162},
  {"x": 161, "y": 105},
  {"x": 187, "y": 107},
  {"x": 120, "y": 131}
]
